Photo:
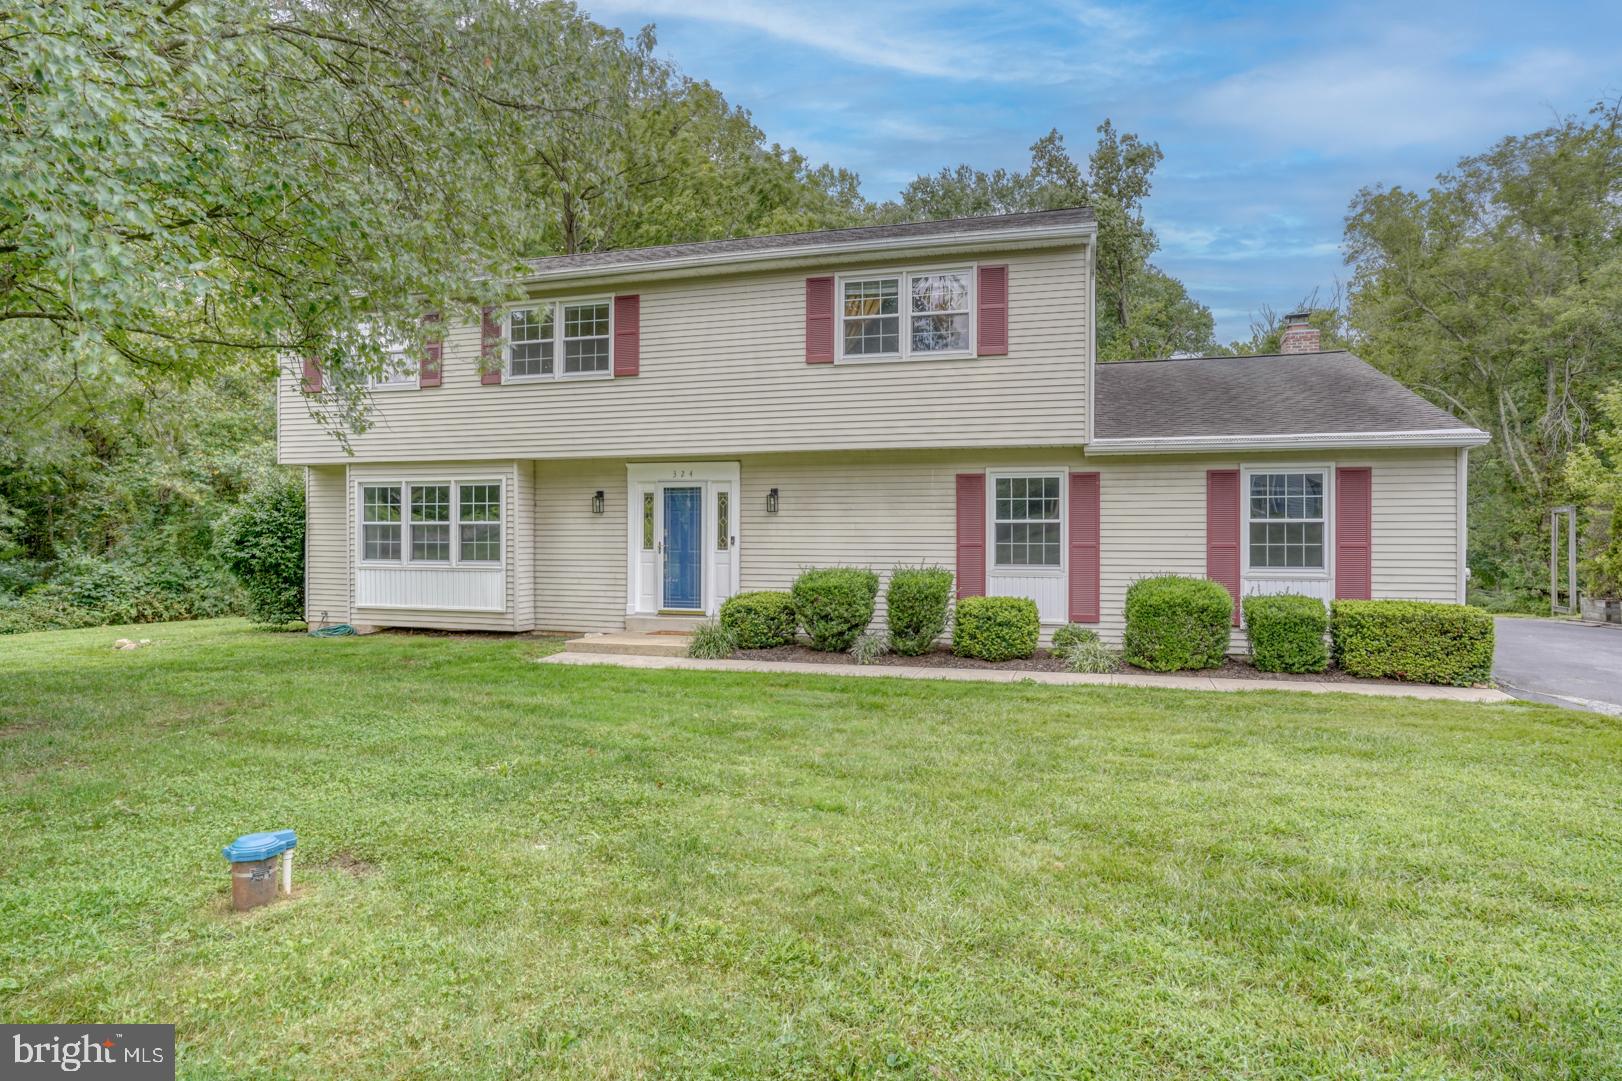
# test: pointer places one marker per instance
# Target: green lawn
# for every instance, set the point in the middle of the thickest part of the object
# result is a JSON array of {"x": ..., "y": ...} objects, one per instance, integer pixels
[{"x": 509, "y": 869}]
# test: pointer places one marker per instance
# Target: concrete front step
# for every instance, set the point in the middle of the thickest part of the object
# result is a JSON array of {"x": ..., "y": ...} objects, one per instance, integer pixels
[
  {"x": 662, "y": 624},
  {"x": 632, "y": 645}
]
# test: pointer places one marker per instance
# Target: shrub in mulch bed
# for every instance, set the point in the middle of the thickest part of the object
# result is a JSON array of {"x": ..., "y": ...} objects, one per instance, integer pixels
[
  {"x": 760, "y": 620},
  {"x": 1287, "y": 632},
  {"x": 1418, "y": 641},
  {"x": 996, "y": 628},
  {"x": 835, "y": 604},
  {"x": 916, "y": 605},
  {"x": 1175, "y": 624}
]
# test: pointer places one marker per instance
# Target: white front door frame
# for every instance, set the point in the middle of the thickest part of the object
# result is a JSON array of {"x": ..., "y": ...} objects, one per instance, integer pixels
[{"x": 642, "y": 567}]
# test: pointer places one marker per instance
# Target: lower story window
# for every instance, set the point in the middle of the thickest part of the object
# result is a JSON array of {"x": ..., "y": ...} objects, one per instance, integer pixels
[
  {"x": 480, "y": 519},
  {"x": 380, "y": 521},
  {"x": 1286, "y": 520},
  {"x": 1026, "y": 515},
  {"x": 430, "y": 523}
]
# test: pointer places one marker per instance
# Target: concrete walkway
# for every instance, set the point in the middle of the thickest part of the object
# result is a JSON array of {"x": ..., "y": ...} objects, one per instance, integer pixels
[{"x": 990, "y": 675}]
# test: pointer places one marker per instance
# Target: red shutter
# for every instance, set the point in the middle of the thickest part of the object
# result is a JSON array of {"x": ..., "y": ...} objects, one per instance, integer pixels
[
  {"x": 490, "y": 360},
  {"x": 971, "y": 534},
  {"x": 819, "y": 320},
  {"x": 991, "y": 317},
  {"x": 1354, "y": 533},
  {"x": 1084, "y": 529},
  {"x": 312, "y": 374},
  {"x": 627, "y": 335},
  {"x": 1222, "y": 531},
  {"x": 432, "y": 366}
]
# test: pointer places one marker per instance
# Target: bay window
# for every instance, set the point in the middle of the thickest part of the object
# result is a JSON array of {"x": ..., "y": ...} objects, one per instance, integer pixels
[
  {"x": 906, "y": 315},
  {"x": 410, "y": 523},
  {"x": 538, "y": 334},
  {"x": 1286, "y": 520}
]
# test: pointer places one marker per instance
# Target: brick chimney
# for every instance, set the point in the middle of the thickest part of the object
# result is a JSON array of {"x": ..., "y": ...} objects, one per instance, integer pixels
[{"x": 1299, "y": 335}]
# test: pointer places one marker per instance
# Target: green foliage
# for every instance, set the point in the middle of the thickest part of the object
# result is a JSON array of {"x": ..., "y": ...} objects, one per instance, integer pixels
[
  {"x": 261, "y": 541},
  {"x": 1594, "y": 473},
  {"x": 1175, "y": 623},
  {"x": 91, "y": 591},
  {"x": 1287, "y": 633},
  {"x": 711, "y": 642},
  {"x": 1419, "y": 641},
  {"x": 1494, "y": 293},
  {"x": 1070, "y": 636},
  {"x": 869, "y": 647},
  {"x": 835, "y": 604},
  {"x": 916, "y": 606},
  {"x": 996, "y": 628},
  {"x": 759, "y": 620},
  {"x": 1092, "y": 657},
  {"x": 1142, "y": 311}
]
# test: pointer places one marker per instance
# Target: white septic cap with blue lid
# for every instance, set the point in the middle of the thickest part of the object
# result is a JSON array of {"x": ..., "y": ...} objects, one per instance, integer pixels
[{"x": 259, "y": 846}]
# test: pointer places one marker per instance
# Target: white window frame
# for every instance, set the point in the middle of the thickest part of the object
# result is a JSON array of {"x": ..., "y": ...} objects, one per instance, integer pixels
[
  {"x": 557, "y": 306},
  {"x": 904, "y": 308},
  {"x": 1304, "y": 573},
  {"x": 405, "y": 485},
  {"x": 1027, "y": 569}
]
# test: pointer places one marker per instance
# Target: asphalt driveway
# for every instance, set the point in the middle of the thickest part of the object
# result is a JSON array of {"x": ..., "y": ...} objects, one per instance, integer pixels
[{"x": 1569, "y": 664}]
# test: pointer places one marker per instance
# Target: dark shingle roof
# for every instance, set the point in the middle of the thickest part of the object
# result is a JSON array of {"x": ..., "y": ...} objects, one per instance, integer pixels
[
  {"x": 787, "y": 243},
  {"x": 1288, "y": 394}
]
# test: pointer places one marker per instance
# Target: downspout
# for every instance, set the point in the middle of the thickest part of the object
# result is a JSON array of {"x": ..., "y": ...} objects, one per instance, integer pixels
[{"x": 1464, "y": 521}]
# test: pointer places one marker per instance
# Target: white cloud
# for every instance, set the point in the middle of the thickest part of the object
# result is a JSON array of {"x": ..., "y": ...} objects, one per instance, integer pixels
[{"x": 1402, "y": 91}]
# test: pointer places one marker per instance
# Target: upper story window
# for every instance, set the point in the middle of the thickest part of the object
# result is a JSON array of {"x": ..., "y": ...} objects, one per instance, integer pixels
[
  {"x": 399, "y": 369},
  {"x": 435, "y": 523},
  {"x": 1286, "y": 520},
  {"x": 906, "y": 315},
  {"x": 538, "y": 334}
]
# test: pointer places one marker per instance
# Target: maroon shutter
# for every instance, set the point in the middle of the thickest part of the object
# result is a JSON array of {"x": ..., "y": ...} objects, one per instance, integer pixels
[
  {"x": 1222, "y": 531},
  {"x": 819, "y": 320},
  {"x": 991, "y": 317},
  {"x": 431, "y": 368},
  {"x": 1084, "y": 530},
  {"x": 312, "y": 374},
  {"x": 1354, "y": 533},
  {"x": 627, "y": 335},
  {"x": 490, "y": 350},
  {"x": 971, "y": 534}
]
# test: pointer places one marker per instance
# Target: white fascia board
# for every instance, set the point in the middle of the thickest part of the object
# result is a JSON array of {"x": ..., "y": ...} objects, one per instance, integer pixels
[
  {"x": 680, "y": 265},
  {"x": 1188, "y": 444}
]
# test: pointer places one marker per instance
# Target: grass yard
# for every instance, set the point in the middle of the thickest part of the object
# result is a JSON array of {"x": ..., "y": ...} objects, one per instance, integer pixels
[{"x": 517, "y": 870}]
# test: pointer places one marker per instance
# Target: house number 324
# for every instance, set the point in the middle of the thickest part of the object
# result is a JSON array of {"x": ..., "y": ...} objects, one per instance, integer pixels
[{"x": 679, "y": 473}]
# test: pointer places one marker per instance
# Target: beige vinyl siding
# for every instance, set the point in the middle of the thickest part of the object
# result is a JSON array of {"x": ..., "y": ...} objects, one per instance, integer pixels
[
  {"x": 579, "y": 557},
  {"x": 522, "y": 563},
  {"x": 435, "y": 619},
  {"x": 881, "y": 510},
  {"x": 326, "y": 555},
  {"x": 723, "y": 366}
]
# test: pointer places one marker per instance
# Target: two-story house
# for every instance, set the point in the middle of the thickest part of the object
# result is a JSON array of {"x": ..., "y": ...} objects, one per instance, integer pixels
[{"x": 651, "y": 431}]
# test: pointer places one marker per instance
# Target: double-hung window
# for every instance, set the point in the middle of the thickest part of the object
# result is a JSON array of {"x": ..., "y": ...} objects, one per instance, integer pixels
[
  {"x": 907, "y": 315},
  {"x": 1286, "y": 520},
  {"x": 1026, "y": 522},
  {"x": 442, "y": 523},
  {"x": 538, "y": 335}
]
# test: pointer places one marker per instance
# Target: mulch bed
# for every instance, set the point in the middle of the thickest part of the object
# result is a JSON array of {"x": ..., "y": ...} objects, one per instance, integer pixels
[{"x": 1232, "y": 668}]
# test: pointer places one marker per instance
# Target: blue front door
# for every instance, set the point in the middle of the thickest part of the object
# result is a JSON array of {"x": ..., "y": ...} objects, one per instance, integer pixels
[{"x": 684, "y": 549}]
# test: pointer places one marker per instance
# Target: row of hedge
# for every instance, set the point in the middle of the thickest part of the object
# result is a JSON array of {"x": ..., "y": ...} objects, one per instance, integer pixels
[
  {"x": 833, "y": 606},
  {"x": 1175, "y": 623}
]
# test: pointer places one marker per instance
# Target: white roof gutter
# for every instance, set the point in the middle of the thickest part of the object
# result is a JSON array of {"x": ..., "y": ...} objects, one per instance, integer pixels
[
  {"x": 981, "y": 239},
  {"x": 1189, "y": 444}
]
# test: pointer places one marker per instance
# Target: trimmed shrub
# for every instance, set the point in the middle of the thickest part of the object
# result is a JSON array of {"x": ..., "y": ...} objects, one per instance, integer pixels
[
  {"x": 835, "y": 604},
  {"x": 996, "y": 628},
  {"x": 869, "y": 647},
  {"x": 916, "y": 605},
  {"x": 1070, "y": 636},
  {"x": 261, "y": 541},
  {"x": 1421, "y": 641},
  {"x": 1091, "y": 656},
  {"x": 711, "y": 642},
  {"x": 1287, "y": 633},
  {"x": 1175, "y": 623},
  {"x": 759, "y": 620}
]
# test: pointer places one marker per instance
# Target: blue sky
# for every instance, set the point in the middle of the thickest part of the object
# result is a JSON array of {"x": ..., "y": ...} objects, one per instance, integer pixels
[{"x": 1271, "y": 116}]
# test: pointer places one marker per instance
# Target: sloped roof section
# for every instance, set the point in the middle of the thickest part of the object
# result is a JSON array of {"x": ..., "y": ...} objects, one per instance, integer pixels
[
  {"x": 790, "y": 243},
  {"x": 1249, "y": 399}
]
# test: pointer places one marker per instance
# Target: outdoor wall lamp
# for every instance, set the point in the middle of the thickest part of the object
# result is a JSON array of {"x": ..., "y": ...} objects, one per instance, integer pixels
[
  {"x": 771, "y": 501},
  {"x": 597, "y": 502}
]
